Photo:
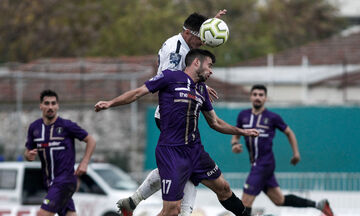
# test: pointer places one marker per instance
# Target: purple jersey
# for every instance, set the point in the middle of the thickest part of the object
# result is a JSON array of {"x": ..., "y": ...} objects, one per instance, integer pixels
[
  {"x": 180, "y": 101},
  {"x": 260, "y": 148},
  {"x": 55, "y": 145}
]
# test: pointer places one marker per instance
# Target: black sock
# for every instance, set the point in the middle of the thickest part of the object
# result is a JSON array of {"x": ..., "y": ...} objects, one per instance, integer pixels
[
  {"x": 295, "y": 201},
  {"x": 234, "y": 205},
  {"x": 248, "y": 211}
]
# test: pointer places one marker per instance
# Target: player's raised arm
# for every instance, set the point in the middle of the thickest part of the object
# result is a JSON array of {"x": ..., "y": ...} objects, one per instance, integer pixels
[
  {"x": 126, "y": 98},
  {"x": 221, "y": 126}
]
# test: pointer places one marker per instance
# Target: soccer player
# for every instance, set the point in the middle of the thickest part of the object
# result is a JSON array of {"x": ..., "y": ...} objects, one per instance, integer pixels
[
  {"x": 52, "y": 138},
  {"x": 261, "y": 176},
  {"x": 171, "y": 56},
  {"x": 180, "y": 156}
]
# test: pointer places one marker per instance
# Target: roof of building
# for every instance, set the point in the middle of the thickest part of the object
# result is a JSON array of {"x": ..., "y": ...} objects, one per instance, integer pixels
[{"x": 87, "y": 80}]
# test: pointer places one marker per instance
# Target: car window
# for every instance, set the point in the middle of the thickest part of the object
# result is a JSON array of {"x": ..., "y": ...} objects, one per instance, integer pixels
[
  {"x": 116, "y": 178},
  {"x": 88, "y": 185},
  {"x": 8, "y": 179}
]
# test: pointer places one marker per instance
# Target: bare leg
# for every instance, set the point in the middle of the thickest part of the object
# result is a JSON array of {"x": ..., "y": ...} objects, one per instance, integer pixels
[
  {"x": 43, "y": 212},
  {"x": 151, "y": 185},
  {"x": 70, "y": 213},
  {"x": 225, "y": 195},
  {"x": 170, "y": 208}
]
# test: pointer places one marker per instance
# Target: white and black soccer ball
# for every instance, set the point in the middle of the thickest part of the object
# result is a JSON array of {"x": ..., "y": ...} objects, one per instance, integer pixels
[{"x": 214, "y": 32}]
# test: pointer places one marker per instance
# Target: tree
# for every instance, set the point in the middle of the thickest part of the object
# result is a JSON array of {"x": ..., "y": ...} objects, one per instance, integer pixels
[
  {"x": 291, "y": 23},
  {"x": 31, "y": 29}
]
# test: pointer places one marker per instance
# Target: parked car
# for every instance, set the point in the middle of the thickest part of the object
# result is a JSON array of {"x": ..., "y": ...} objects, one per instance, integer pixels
[{"x": 22, "y": 190}]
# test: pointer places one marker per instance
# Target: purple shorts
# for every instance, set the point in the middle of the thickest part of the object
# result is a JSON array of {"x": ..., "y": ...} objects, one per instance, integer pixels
[
  {"x": 58, "y": 199},
  {"x": 178, "y": 164},
  {"x": 260, "y": 179}
]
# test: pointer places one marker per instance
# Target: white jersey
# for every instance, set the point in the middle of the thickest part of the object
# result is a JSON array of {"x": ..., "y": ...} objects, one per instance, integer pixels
[{"x": 171, "y": 56}]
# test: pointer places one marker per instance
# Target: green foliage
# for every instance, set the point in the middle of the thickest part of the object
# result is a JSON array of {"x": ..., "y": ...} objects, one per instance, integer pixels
[
  {"x": 31, "y": 29},
  {"x": 294, "y": 22}
]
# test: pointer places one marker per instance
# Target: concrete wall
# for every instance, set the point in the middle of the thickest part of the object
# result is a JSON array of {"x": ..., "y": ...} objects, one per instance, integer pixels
[{"x": 111, "y": 129}]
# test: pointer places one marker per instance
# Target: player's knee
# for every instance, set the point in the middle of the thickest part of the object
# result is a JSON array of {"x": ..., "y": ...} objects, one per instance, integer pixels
[
  {"x": 42, "y": 212},
  {"x": 71, "y": 213},
  {"x": 278, "y": 202},
  {"x": 225, "y": 191},
  {"x": 172, "y": 210}
]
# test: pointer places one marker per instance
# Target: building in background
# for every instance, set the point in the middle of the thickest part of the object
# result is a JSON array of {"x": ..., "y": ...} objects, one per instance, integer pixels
[{"x": 325, "y": 72}]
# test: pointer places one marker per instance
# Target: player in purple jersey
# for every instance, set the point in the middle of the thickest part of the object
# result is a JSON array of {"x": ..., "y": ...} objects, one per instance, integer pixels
[
  {"x": 52, "y": 139},
  {"x": 171, "y": 56},
  {"x": 180, "y": 156},
  {"x": 261, "y": 176}
]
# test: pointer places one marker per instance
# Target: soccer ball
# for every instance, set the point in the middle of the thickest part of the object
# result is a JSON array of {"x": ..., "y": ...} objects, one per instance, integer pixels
[{"x": 214, "y": 32}]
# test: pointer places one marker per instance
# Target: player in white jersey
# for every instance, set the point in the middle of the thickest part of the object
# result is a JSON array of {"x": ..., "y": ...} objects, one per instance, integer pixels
[{"x": 171, "y": 56}]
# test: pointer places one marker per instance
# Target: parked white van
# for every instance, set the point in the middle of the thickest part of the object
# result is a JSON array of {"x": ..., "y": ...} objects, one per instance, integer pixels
[{"x": 22, "y": 190}]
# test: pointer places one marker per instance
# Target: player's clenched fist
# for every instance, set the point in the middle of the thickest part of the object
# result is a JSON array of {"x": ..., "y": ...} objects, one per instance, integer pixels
[
  {"x": 101, "y": 105},
  {"x": 30, "y": 154}
]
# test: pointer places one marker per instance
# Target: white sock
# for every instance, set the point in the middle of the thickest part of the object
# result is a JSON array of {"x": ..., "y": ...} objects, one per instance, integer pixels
[
  {"x": 149, "y": 186},
  {"x": 188, "y": 201}
]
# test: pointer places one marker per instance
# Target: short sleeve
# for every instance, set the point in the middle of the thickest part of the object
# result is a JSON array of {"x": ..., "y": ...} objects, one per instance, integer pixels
[
  {"x": 30, "y": 139},
  {"x": 76, "y": 131},
  {"x": 158, "y": 82},
  {"x": 169, "y": 58},
  {"x": 279, "y": 123},
  {"x": 170, "y": 61},
  {"x": 238, "y": 120}
]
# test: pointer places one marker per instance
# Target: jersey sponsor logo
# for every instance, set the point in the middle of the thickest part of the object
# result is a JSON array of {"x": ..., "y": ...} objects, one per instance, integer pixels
[
  {"x": 187, "y": 95},
  {"x": 49, "y": 144},
  {"x": 213, "y": 171},
  {"x": 158, "y": 76},
  {"x": 191, "y": 96},
  {"x": 175, "y": 59}
]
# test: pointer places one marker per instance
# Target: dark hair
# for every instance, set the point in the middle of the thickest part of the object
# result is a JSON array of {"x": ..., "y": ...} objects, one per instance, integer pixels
[
  {"x": 194, "y": 22},
  {"x": 200, "y": 54},
  {"x": 260, "y": 87},
  {"x": 48, "y": 93}
]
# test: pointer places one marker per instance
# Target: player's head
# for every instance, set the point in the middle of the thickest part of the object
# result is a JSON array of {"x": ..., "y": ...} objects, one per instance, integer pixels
[
  {"x": 202, "y": 61},
  {"x": 258, "y": 95},
  {"x": 191, "y": 30},
  {"x": 49, "y": 104}
]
